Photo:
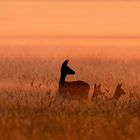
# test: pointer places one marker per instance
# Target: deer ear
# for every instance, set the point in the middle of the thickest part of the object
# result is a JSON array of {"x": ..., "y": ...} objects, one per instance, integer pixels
[
  {"x": 119, "y": 84},
  {"x": 65, "y": 62}
]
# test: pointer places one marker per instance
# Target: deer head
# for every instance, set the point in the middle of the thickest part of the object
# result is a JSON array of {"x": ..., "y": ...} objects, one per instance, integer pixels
[
  {"x": 119, "y": 91},
  {"x": 65, "y": 69},
  {"x": 97, "y": 90}
]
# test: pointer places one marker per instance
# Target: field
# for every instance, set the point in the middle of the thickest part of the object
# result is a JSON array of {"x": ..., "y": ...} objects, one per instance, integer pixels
[{"x": 31, "y": 109}]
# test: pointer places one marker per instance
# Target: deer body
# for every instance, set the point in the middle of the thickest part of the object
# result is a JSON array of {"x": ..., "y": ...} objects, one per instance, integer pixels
[{"x": 74, "y": 89}]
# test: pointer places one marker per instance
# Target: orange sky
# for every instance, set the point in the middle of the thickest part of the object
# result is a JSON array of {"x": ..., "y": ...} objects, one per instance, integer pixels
[
  {"x": 68, "y": 22},
  {"x": 69, "y": 18}
]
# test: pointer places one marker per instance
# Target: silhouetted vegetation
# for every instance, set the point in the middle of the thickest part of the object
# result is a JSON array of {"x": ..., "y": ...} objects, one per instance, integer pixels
[{"x": 31, "y": 108}]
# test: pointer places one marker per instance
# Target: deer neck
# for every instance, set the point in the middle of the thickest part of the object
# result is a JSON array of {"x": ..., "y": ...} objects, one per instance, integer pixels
[
  {"x": 62, "y": 79},
  {"x": 117, "y": 97}
]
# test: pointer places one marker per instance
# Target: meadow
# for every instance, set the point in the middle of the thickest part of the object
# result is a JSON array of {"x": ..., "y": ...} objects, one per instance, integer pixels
[{"x": 31, "y": 108}]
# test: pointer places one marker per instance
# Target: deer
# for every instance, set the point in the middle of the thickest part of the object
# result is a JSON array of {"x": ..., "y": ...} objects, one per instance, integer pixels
[
  {"x": 72, "y": 89},
  {"x": 119, "y": 91},
  {"x": 97, "y": 91}
]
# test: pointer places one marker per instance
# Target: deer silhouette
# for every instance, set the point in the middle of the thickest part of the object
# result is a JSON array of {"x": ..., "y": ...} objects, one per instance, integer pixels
[
  {"x": 118, "y": 93},
  {"x": 73, "y": 89},
  {"x": 97, "y": 91}
]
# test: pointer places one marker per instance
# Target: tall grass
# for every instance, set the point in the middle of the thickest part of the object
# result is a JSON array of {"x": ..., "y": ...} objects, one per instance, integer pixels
[{"x": 31, "y": 108}]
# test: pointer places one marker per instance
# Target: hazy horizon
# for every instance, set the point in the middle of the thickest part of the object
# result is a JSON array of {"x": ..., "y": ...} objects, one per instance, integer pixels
[{"x": 70, "y": 28}]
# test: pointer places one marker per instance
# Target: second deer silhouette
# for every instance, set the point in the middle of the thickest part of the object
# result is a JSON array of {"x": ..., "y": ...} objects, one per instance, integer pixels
[
  {"x": 118, "y": 93},
  {"x": 73, "y": 89},
  {"x": 97, "y": 91}
]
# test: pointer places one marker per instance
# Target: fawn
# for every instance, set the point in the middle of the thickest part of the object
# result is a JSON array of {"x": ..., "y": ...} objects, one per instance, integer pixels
[{"x": 118, "y": 93}]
